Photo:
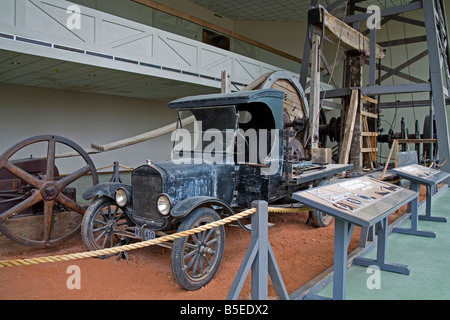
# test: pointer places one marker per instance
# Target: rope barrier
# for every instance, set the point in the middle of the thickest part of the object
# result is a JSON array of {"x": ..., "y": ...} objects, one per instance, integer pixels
[
  {"x": 112, "y": 165},
  {"x": 142, "y": 244}
]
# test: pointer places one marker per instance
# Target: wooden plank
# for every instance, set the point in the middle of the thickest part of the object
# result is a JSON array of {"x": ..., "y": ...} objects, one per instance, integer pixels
[
  {"x": 369, "y": 134},
  {"x": 226, "y": 82},
  {"x": 291, "y": 94},
  {"x": 292, "y": 102},
  {"x": 256, "y": 84},
  {"x": 348, "y": 131},
  {"x": 338, "y": 31},
  {"x": 314, "y": 101},
  {"x": 369, "y": 99},
  {"x": 369, "y": 114},
  {"x": 387, "y": 162},
  {"x": 285, "y": 85},
  {"x": 369, "y": 146},
  {"x": 369, "y": 150}
]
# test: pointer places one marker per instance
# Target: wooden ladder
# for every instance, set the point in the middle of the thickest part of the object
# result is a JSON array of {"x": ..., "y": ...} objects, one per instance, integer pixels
[{"x": 369, "y": 119}]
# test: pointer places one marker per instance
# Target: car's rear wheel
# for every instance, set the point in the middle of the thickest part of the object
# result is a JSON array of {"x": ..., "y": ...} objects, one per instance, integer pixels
[{"x": 320, "y": 219}]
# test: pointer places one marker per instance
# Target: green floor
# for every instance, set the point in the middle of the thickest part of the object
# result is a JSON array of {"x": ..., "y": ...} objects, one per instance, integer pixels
[{"x": 428, "y": 259}]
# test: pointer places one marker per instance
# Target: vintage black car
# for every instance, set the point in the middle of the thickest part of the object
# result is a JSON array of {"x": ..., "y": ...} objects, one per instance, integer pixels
[{"x": 234, "y": 153}]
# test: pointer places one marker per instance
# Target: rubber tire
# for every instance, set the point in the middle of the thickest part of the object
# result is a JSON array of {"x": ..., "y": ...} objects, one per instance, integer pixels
[
  {"x": 197, "y": 217},
  {"x": 320, "y": 219}
]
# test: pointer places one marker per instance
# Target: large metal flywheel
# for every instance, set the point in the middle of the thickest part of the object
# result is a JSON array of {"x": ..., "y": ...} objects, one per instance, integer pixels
[{"x": 39, "y": 199}]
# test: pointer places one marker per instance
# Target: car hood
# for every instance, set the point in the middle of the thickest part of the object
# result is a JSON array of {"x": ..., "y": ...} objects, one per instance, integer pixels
[{"x": 181, "y": 181}]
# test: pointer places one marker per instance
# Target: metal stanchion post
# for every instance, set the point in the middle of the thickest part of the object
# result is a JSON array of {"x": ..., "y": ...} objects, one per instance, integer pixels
[{"x": 260, "y": 259}]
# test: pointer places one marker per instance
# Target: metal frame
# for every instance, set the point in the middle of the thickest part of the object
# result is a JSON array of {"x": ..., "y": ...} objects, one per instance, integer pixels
[{"x": 438, "y": 50}]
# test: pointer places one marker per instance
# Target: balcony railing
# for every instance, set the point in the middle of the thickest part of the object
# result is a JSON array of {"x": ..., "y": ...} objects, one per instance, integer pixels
[{"x": 67, "y": 31}]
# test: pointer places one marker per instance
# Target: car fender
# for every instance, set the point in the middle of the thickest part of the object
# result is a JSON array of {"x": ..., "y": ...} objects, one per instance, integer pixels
[
  {"x": 186, "y": 206},
  {"x": 107, "y": 189}
]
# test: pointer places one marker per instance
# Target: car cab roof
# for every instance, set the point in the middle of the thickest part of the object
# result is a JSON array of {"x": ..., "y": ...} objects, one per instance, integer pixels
[{"x": 226, "y": 99}]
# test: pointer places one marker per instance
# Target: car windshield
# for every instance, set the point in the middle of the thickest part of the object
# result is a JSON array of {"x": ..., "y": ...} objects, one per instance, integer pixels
[{"x": 205, "y": 135}]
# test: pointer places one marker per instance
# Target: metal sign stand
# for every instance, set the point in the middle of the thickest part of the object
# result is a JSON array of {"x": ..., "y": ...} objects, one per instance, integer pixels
[
  {"x": 413, "y": 230},
  {"x": 261, "y": 259},
  {"x": 380, "y": 261},
  {"x": 377, "y": 201},
  {"x": 418, "y": 175}
]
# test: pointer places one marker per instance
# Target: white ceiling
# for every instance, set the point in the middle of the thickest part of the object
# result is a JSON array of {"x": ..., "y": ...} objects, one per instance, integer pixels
[
  {"x": 277, "y": 10},
  {"x": 30, "y": 70}
]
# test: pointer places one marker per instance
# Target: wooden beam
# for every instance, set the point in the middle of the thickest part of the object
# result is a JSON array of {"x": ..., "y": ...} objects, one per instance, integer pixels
[
  {"x": 163, "y": 8},
  {"x": 314, "y": 101},
  {"x": 338, "y": 31},
  {"x": 349, "y": 127}
]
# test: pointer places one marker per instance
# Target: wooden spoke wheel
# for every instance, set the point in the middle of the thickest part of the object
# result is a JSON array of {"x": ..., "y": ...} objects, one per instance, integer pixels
[
  {"x": 196, "y": 258},
  {"x": 45, "y": 191}
]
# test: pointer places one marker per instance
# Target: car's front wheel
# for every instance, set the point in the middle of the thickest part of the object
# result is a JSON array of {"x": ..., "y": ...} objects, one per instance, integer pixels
[
  {"x": 196, "y": 258},
  {"x": 100, "y": 224}
]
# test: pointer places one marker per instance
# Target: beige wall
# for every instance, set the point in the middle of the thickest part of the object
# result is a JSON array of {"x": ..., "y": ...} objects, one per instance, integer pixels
[
  {"x": 286, "y": 36},
  {"x": 85, "y": 119}
]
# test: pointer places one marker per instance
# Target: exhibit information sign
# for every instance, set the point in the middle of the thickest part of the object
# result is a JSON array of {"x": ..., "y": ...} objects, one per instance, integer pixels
[
  {"x": 428, "y": 177},
  {"x": 421, "y": 173},
  {"x": 362, "y": 201}
]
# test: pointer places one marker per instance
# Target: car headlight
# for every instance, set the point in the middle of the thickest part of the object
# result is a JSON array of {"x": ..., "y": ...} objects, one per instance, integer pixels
[
  {"x": 121, "y": 197},
  {"x": 163, "y": 204}
]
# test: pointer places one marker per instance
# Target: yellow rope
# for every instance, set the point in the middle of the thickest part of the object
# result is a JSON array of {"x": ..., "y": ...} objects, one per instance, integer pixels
[
  {"x": 112, "y": 165},
  {"x": 138, "y": 245}
]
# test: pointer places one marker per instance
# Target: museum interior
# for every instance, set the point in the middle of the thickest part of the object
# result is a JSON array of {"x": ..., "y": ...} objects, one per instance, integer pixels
[{"x": 135, "y": 134}]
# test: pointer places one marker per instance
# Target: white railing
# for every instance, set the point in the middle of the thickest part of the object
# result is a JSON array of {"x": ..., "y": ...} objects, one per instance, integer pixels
[{"x": 60, "y": 29}]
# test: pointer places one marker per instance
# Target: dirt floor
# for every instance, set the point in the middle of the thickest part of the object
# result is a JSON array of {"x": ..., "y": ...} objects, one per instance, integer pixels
[{"x": 302, "y": 253}]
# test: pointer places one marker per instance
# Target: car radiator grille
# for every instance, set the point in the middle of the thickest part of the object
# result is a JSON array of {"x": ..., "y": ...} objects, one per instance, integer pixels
[{"x": 146, "y": 189}]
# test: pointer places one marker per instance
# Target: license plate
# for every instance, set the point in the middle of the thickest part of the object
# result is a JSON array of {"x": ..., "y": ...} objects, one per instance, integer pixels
[{"x": 148, "y": 234}]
